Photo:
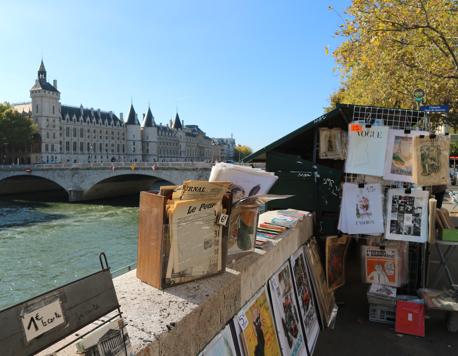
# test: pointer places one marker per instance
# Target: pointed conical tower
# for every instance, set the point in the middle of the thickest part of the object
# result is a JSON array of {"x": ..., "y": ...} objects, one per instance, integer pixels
[
  {"x": 134, "y": 139},
  {"x": 149, "y": 138},
  {"x": 46, "y": 112}
]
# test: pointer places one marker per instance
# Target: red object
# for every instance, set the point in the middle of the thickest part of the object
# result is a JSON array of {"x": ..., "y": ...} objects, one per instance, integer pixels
[{"x": 410, "y": 318}]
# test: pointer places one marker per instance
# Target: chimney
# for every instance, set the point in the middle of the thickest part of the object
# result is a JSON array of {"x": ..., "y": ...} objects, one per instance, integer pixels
[
  {"x": 54, "y": 83},
  {"x": 182, "y": 123},
  {"x": 121, "y": 116}
]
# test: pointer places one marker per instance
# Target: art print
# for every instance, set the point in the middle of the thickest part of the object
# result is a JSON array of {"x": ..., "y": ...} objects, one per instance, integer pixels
[
  {"x": 336, "y": 251},
  {"x": 407, "y": 215},
  {"x": 221, "y": 345},
  {"x": 399, "y": 155},
  {"x": 286, "y": 313},
  {"x": 305, "y": 297},
  {"x": 431, "y": 160},
  {"x": 361, "y": 209},
  {"x": 258, "y": 335}
]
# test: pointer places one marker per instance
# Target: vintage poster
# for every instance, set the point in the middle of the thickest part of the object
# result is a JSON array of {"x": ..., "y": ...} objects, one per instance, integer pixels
[
  {"x": 221, "y": 345},
  {"x": 336, "y": 251},
  {"x": 407, "y": 215},
  {"x": 399, "y": 155},
  {"x": 361, "y": 210},
  {"x": 324, "y": 296},
  {"x": 304, "y": 293},
  {"x": 258, "y": 335},
  {"x": 381, "y": 266},
  {"x": 366, "y": 149},
  {"x": 195, "y": 240},
  {"x": 431, "y": 160},
  {"x": 286, "y": 313}
]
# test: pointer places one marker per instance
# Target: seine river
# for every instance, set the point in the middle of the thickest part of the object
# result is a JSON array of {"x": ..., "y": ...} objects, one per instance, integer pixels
[{"x": 46, "y": 244}]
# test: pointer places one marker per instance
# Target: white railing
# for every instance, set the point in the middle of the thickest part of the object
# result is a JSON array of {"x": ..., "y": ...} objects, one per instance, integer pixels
[{"x": 102, "y": 165}]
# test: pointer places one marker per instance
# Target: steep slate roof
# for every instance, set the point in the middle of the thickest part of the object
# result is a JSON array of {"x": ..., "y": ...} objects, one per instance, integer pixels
[
  {"x": 41, "y": 83},
  {"x": 132, "y": 117},
  {"x": 177, "y": 122},
  {"x": 82, "y": 114},
  {"x": 149, "y": 119}
]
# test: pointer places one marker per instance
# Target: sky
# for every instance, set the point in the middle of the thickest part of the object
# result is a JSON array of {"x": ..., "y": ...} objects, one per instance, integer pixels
[{"x": 254, "y": 69}]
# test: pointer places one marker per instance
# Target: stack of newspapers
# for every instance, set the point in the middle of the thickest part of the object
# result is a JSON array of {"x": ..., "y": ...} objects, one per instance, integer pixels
[{"x": 381, "y": 295}]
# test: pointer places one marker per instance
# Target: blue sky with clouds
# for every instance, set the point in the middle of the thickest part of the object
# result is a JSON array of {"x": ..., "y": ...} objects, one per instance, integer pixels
[{"x": 257, "y": 69}]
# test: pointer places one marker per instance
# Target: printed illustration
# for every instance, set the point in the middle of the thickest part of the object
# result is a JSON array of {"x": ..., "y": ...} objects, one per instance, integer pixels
[
  {"x": 401, "y": 162},
  {"x": 430, "y": 159},
  {"x": 382, "y": 265},
  {"x": 336, "y": 250},
  {"x": 407, "y": 215},
  {"x": 221, "y": 345},
  {"x": 286, "y": 312},
  {"x": 258, "y": 330},
  {"x": 305, "y": 297}
]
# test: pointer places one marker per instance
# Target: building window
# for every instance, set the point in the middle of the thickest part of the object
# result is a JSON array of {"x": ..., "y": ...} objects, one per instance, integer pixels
[
  {"x": 81, "y": 132},
  {"x": 67, "y": 131},
  {"x": 74, "y": 132},
  {"x": 74, "y": 146},
  {"x": 88, "y": 147},
  {"x": 81, "y": 146},
  {"x": 46, "y": 148},
  {"x": 123, "y": 148},
  {"x": 100, "y": 147},
  {"x": 53, "y": 110},
  {"x": 67, "y": 146},
  {"x": 52, "y": 147}
]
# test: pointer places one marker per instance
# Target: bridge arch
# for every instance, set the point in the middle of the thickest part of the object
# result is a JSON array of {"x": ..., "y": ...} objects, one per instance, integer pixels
[
  {"x": 122, "y": 184},
  {"x": 30, "y": 183}
]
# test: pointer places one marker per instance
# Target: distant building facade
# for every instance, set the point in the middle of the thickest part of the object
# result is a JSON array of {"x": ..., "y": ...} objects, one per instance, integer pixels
[{"x": 69, "y": 134}]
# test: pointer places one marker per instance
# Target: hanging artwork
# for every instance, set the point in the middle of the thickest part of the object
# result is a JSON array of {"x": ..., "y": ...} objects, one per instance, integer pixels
[
  {"x": 407, "y": 215},
  {"x": 336, "y": 251},
  {"x": 366, "y": 149},
  {"x": 399, "y": 155},
  {"x": 304, "y": 293},
  {"x": 361, "y": 210},
  {"x": 333, "y": 143},
  {"x": 286, "y": 313},
  {"x": 257, "y": 329},
  {"x": 431, "y": 160}
]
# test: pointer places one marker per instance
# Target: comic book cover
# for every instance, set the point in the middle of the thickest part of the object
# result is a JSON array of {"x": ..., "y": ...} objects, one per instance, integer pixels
[
  {"x": 286, "y": 313},
  {"x": 382, "y": 266},
  {"x": 304, "y": 293},
  {"x": 258, "y": 335}
]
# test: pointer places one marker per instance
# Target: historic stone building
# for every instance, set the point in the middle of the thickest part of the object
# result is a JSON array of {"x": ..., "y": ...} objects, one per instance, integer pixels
[{"x": 69, "y": 134}]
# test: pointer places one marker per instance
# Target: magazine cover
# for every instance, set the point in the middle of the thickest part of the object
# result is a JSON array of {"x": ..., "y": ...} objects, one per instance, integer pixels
[
  {"x": 221, "y": 345},
  {"x": 286, "y": 312},
  {"x": 366, "y": 149},
  {"x": 381, "y": 266},
  {"x": 336, "y": 251},
  {"x": 324, "y": 296},
  {"x": 304, "y": 293},
  {"x": 399, "y": 155},
  {"x": 257, "y": 329},
  {"x": 407, "y": 215}
]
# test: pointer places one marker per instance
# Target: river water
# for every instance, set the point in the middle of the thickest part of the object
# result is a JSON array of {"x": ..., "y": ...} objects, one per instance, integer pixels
[{"x": 46, "y": 244}]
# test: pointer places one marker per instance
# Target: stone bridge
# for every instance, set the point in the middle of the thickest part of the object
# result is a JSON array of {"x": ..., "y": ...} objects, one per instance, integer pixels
[{"x": 97, "y": 180}]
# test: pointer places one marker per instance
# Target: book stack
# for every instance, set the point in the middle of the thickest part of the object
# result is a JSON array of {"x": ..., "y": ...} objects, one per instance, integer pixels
[{"x": 382, "y": 303}]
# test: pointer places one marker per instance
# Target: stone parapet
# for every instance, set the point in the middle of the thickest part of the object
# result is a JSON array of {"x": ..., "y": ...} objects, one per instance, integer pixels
[{"x": 181, "y": 320}]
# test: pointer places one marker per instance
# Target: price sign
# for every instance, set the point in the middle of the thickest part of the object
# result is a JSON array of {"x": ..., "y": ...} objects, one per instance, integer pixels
[{"x": 42, "y": 320}]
